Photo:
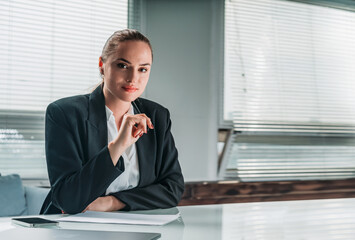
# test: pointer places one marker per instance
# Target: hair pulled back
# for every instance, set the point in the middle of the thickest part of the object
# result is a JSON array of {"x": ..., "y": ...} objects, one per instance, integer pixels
[{"x": 120, "y": 36}]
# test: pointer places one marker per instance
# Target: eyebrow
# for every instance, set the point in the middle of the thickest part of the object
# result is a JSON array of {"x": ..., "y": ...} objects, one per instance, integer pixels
[{"x": 125, "y": 60}]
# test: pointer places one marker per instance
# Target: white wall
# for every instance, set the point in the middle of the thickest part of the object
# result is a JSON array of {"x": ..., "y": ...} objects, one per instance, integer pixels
[{"x": 185, "y": 76}]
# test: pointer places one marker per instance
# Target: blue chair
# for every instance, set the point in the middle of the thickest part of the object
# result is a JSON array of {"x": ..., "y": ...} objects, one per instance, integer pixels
[{"x": 19, "y": 200}]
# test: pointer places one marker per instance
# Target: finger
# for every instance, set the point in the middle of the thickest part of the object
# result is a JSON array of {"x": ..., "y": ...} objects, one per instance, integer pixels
[
  {"x": 141, "y": 122},
  {"x": 143, "y": 126},
  {"x": 148, "y": 121},
  {"x": 138, "y": 133},
  {"x": 150, "y": 124}
]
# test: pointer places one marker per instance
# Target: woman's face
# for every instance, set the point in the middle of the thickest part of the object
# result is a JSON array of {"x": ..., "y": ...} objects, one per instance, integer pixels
[{"x": 126, "y": 72}]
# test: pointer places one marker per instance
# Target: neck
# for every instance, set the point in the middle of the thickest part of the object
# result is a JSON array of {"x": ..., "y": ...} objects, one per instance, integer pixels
[{"x": 117, "y": 106}]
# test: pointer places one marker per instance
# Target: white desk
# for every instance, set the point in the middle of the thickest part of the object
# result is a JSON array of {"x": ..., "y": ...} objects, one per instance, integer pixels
[{"x": 309, "y": 219}]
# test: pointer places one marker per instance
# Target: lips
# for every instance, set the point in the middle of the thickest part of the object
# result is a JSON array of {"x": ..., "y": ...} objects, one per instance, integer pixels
[{"x": 130, "y": 89}]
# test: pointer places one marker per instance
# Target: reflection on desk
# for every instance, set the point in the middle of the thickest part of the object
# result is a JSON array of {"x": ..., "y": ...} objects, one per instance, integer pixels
[{"x": 306, "y": 219}]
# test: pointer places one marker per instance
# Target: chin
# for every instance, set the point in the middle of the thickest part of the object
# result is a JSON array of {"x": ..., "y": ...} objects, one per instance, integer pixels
[{"x": 129, "y": 98}]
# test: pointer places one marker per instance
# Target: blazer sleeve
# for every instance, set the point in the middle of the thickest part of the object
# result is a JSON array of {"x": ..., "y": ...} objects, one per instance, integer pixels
[
  {"x": 74, "y": 185},
  {"x": 167, "y": 190}
]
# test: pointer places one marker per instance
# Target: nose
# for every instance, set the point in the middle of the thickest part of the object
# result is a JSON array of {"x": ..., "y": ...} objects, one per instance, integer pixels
[{"x": 132, "y": 76}]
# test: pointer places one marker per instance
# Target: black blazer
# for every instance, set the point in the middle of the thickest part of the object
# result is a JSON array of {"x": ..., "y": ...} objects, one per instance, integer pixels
[{"x": 80, "y": 167}]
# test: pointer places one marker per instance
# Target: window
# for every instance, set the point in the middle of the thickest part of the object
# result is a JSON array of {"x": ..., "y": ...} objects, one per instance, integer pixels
[
  {"x": 49, "y": 50},
  {"x": 289, "y": 90}
]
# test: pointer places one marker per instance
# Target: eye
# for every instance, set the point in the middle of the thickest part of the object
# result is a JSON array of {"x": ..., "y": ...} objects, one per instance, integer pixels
[
  {"x": 122, "y": 65},
  {"x": 143, "y": 70}
]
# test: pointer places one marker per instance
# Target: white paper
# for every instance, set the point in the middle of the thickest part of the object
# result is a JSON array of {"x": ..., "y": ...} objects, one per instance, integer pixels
[{"x": 121, "y": 218}]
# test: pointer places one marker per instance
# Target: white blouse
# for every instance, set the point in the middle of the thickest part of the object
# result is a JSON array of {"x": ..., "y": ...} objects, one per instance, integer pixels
[{"x": 130, "y": 177}]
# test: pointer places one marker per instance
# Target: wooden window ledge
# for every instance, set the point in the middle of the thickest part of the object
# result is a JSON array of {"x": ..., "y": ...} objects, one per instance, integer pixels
[{"x": 217, "y": 192}]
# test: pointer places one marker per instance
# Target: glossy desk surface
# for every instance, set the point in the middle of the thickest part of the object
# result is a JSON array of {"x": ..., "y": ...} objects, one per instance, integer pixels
[{"x": 306, "y": 219}]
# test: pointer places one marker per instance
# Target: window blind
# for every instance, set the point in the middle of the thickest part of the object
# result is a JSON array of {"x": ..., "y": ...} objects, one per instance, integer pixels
[
  {"x": 288, "y": 72},
  {"x": 281, "y": 158},
  {"x": 49, "y": 50}
]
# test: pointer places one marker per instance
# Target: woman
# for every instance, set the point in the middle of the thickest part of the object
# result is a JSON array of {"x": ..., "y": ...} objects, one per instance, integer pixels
[{"x": 111, "y": 150}]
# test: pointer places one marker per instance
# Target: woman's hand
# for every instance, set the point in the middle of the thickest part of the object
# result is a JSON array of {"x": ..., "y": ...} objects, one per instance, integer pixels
[
  {"x": 105, "y": 204},
  {"x": 131, "y": 129}
]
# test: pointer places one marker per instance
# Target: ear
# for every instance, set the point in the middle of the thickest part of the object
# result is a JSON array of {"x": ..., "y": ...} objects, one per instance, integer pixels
[{"x": 101, "y": 64}]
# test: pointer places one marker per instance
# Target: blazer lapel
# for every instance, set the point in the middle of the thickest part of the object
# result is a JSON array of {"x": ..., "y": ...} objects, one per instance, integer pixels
[
  {"x": 146, "y": 153},
  {"x": 143, "y": 159},
  {"x": 96, "y": 122}
]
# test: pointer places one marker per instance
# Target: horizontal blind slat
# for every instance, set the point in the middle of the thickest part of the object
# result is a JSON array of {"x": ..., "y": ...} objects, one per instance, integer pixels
[{"x": 46, "y": 47}]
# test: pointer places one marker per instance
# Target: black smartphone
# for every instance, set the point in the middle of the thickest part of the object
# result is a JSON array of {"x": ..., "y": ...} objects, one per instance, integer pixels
[{"x": 34, "y": 222}]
